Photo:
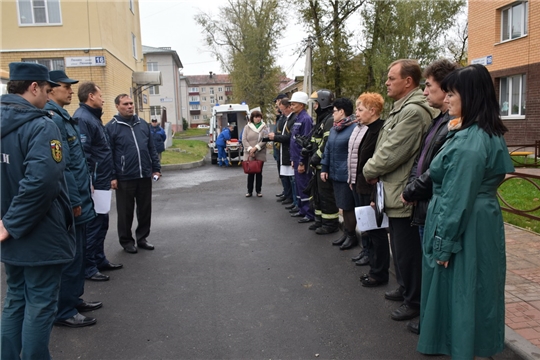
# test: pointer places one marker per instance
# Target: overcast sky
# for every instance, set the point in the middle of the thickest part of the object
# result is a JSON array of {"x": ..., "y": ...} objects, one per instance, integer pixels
[{"x": 170, "y": 23}]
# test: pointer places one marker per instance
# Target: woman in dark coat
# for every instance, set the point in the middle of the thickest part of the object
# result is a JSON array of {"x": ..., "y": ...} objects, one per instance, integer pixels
[
  {"x": 464, "y": 263},
  {"x": 334, "y": 167},
  {"x": 368, "y": 111}
]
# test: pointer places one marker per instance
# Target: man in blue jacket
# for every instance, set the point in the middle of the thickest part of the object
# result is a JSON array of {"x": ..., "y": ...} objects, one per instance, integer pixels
[
  {"x": 37, "y": 229},
  {"x": 99, "y": 158},
  {"x": 78, "y": 182},
  {"x": 159, "y": 137},
  {"x": 302, "y": 128},
  {"x": 135, "y": 163},
  {"x": 221, "y": 144}
]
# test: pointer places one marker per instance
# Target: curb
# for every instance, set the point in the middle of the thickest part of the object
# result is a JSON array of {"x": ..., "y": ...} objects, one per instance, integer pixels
[
  {"x": 520, "y": 345},
  {"x": 185, "y": 166}
]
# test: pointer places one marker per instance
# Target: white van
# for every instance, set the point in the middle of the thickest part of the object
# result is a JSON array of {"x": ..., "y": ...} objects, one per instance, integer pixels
[{"x": 222, "y": 115}]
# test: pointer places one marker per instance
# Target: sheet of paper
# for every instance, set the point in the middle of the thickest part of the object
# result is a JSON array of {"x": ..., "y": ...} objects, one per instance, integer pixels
[
  {"x": 365, "y": 219},
  {"x": 102, "y": 201}
]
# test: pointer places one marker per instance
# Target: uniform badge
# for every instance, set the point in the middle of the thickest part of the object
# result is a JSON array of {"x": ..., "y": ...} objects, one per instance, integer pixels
[{"x": 56, "y": 150}]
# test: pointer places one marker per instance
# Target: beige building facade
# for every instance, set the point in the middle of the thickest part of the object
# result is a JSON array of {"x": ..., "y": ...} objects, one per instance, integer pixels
[
  {"x": 200, "y": 93},
  {"x": 504, "y": 36},
  {"x": 97, "y": 41}
]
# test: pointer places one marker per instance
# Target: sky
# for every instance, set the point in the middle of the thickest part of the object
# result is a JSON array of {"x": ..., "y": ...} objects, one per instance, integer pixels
[{"x": 170, "y": 23}]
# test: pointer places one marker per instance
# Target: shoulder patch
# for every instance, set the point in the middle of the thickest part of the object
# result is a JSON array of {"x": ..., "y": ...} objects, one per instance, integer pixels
[{"x": 56, "y": 150}]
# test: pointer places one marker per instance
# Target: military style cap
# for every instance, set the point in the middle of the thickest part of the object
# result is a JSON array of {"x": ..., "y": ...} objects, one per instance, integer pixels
[
  {"x": 60, "y": 76},
  {"x": 26, "y": 71}
]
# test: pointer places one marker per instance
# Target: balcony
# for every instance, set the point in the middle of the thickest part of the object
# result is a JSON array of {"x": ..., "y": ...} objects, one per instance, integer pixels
[
  {"x": 193, "y": 93},
  {"x": 194, "y": 112},
  {"x": 228, "y": 93}
]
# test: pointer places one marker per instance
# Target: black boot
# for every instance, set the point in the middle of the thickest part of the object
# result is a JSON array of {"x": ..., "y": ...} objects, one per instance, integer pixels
[
  {"x": 341, "y": 240},
  {"x": 350, "y": 242},
  {"x": 317, "y": 224}
]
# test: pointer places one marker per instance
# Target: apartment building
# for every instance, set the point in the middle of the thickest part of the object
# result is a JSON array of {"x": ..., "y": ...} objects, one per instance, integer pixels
[
  {"x": 202, "y": 92},
  {"x": 91, "y": 41},
  {"x": 505, "y": 37},
  {"x": 165, "y": 98}
]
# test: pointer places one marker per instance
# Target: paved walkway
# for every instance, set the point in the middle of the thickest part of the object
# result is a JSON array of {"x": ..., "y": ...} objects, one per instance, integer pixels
[{"x": 523, "y": 283}]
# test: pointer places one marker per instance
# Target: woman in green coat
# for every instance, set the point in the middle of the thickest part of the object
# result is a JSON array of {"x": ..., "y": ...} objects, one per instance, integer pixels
[{"x": 464, "y": 264}]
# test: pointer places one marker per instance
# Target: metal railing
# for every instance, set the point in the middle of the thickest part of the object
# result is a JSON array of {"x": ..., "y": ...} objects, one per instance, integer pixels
[
  {"x": 521, "y": 212},
  {"x": 519, "y": 149}
]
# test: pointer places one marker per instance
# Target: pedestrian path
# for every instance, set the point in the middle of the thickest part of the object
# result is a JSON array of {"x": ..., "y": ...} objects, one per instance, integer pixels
[{"x": 522, "y": 290}]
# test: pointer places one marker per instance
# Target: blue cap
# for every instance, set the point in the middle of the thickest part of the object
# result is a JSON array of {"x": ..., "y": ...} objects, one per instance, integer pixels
[
  {"x": 27, "y": 71},
  {"x": 60, "y": 76}
]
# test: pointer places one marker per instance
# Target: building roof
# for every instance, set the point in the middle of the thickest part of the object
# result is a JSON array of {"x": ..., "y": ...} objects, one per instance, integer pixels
[
  {"x": 209, "y": 79},
  {"x": 163, "y": 50}
]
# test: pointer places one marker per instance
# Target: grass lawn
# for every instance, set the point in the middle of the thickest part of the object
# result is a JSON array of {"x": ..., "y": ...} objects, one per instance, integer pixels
[
  {"x": 190, "y": 133},
  {"x": 523, "y": 195},
  {"x": 195, "y": 150}
]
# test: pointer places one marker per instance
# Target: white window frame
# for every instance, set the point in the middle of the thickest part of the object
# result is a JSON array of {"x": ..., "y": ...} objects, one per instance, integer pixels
[
  {"x": 509, "y": 103},
  {"x": 152, "y": 66},
  {"x": 194, "y": 107},
  {"x": 155, "y": 110},
  {"x": 203, "y": 90},
  {"x": 524, "y": 20},
  {"x": 195, "y": 117},
  {"x": 154, "y": 90},
  {"x": 211, "y": 90},
  {"x": 50, "y": 63},
  {"x": 194, "y": 98},
  {"x": 193, "y": 89},
  {"x": 134, "y": 45},
  {"x": 220, "y": 89},
  {"x": 204, "y": 108},
  {"x": 48, "y": 4}
]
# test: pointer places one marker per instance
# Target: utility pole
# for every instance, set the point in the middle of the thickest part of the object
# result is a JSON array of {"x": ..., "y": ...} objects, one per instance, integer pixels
[{"x": 307, "y": 71}]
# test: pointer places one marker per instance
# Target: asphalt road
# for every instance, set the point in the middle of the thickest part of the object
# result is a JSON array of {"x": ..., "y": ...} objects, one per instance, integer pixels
[{"x": 234, "y": 278}]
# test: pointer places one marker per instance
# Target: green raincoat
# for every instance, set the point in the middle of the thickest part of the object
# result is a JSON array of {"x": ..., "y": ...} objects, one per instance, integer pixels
[{"x": 462, "y": 306}]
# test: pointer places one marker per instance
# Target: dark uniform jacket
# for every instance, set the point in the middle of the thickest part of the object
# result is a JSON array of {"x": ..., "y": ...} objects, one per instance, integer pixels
[
  {"x": 76, "y": 173},
  {"x": 96, "y": 146},
  {"x": 134, "y": 153},
  {"x": 325, "y": 122},
  {"x": 285, "y": 139},
  {"x": 419, "y": 188},
  {"x": 35, "y": 209}
]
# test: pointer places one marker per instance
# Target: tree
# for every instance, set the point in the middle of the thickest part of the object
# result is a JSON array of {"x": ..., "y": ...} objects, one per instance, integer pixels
[
  {"x": 404, "y": 29},
  {"x": 243, "y": 38},
  {"x": 333, "y": 59}
]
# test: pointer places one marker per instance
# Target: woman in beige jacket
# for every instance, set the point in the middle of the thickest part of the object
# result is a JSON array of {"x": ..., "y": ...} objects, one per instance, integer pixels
[{"x": 255, "y": 148}]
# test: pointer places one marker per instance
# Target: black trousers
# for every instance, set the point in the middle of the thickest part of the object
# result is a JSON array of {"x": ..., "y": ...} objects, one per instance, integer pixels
[
  {"x": 258, "y": 182},
  {"x": 407, "y": 252},
  {"x": 130, "y": 193}
]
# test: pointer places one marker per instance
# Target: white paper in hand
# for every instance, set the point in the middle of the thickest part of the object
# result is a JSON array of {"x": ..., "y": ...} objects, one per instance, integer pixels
[
  {"x": 365, "y": 219},
  {"x": 102, "y": 201}
]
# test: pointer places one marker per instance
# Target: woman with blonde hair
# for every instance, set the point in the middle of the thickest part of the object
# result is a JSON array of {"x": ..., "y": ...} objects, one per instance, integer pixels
[{"x": 368, "y": 111}]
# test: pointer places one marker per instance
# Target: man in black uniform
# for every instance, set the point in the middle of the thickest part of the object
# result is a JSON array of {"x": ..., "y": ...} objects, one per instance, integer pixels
[{"x": 324, "y": 203}]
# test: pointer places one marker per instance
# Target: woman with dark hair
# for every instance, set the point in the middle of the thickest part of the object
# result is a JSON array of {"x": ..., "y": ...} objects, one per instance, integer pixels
[
  {"x": 254, "y": 148},
  {"x": 464, "y": 264},
  {"x": 335, "y": 167}
]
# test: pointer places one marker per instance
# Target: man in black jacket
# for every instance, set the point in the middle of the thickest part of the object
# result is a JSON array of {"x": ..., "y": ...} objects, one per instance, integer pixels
[
  {"x": 99, "y": 158},
  {"x": 418, "y": 189},
  {"x": 283, "y": 138},
  {"x": 135, "y": 163},
  {"x": 70, "y": 303}
]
